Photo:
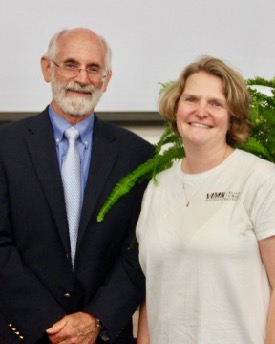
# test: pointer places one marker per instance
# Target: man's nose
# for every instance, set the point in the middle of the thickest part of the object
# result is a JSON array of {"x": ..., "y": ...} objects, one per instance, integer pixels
[{"x": 82, "y": 77}]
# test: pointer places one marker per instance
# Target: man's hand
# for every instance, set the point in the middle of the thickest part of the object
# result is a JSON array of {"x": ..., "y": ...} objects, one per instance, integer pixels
[{"x": 76, "y": 328}]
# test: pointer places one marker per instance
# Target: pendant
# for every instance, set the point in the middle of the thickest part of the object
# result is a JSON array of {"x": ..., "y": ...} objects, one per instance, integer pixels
[{"x": 187, "y": 204}]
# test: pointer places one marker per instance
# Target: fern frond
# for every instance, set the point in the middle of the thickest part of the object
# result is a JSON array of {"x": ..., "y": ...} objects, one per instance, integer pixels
[
  {"x": 146, "y": 171},
  {"x": 164, "y": 161},
  {"x": 168, "y": 136},
  {"x": 259, "y": 81},
  {"x": 165, "y": 85}
]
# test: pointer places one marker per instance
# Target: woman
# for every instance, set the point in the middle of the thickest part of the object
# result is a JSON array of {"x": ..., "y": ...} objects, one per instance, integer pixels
[{"x": 206, "y": 233}]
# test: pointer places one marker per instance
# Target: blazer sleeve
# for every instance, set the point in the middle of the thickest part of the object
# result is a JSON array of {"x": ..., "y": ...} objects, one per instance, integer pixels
[{"x": 25, "y": 303}]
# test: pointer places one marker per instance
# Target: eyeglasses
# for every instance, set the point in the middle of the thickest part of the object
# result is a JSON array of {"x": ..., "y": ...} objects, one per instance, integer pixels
[{"x": 70, "y": 70}]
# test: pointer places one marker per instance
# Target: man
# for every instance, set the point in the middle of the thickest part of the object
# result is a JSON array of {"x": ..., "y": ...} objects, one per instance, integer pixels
[{"x": 52, "y": 289}]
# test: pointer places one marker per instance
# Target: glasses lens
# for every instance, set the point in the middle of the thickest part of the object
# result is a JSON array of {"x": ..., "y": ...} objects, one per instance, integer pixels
[{"x": 71, "y": 71}]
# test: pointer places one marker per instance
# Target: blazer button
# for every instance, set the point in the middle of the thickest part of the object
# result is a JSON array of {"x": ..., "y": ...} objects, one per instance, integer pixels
[
  {"x": 68, "y": 295},
  {"x": 67, "y": 255}
]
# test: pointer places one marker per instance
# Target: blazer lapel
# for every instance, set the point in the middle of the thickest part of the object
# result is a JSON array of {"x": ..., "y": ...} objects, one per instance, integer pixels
[
  {"x": 104, "y": 154},
  {"x": 43, "y": 154}
]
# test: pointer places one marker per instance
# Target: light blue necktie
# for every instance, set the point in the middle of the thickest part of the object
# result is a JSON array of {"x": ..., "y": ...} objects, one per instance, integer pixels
[{"x": 70, "y": 172}]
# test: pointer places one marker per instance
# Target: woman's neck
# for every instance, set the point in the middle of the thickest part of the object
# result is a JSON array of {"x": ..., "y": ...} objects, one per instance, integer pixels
[{"x": 198, "y": 161}]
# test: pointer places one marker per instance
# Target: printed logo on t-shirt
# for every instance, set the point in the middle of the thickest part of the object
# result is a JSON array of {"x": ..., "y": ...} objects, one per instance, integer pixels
[{"x": 222, "y": 196}]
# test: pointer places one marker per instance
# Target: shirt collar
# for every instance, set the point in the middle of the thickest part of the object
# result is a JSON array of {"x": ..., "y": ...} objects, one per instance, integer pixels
[{"x": 84, "y": 127}]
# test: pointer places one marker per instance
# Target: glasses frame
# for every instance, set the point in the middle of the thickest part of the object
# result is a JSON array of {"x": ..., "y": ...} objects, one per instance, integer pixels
[{"x": 77, "y": 70}]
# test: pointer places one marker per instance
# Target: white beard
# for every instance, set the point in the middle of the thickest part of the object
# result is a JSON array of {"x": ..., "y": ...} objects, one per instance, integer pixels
[{"x": 75, "y": 106}]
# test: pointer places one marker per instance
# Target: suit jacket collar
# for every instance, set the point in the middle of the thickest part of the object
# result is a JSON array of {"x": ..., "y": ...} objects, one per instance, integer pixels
[
  {"x": 41, "y": 145},
  {"x": 104, "y": 155}
]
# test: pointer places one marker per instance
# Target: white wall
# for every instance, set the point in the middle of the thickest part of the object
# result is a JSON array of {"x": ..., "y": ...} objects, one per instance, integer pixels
[
  {"x": 152, "y": 40},
  {"x": 149, "y": 133}
]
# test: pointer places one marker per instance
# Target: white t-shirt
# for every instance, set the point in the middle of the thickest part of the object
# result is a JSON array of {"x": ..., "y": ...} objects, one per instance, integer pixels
[{"x": 205, "y": 280}]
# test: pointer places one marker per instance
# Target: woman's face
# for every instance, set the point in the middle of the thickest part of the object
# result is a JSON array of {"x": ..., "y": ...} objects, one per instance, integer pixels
[{"x": 202, "y": 116}]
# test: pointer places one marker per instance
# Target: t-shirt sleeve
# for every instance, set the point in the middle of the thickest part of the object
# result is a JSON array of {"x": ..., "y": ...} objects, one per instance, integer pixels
[
  {"x": 145, "y": 207},
  {"x": 263, "y": 209}
]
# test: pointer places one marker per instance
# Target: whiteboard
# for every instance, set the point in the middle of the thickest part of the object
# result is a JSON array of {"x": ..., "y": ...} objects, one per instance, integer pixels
[{"x": 151, "y": 40}]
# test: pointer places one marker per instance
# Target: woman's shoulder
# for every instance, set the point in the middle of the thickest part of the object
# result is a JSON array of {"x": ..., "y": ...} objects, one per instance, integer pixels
[
  {"x": 169, "y": 173},
  {"x": 255, "y": 163}
]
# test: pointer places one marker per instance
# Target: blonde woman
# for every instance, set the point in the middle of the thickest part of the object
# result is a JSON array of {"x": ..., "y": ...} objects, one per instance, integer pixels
[{"x": 206, "y": 233}]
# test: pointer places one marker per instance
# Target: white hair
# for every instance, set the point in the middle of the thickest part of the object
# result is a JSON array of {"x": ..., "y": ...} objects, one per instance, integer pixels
[{"x": 53, "y": 48}]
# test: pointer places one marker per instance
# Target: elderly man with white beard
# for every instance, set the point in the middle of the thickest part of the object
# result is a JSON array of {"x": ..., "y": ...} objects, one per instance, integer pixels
[{"x": 64, "y": 277}]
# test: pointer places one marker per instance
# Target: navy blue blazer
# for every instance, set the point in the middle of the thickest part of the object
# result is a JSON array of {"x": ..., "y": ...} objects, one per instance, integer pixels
[{"x": 37, "y": 283}]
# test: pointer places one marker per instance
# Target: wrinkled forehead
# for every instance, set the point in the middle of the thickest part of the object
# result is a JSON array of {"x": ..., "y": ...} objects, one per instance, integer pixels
[{"x": 82, "y": 46}]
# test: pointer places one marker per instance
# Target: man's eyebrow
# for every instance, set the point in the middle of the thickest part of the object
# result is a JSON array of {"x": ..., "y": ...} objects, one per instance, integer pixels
[{"x": 92, "y": 64}]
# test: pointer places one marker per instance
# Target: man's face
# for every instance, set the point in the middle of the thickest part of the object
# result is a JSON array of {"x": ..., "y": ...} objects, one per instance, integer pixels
[
  {"x": 77, "y": 73},
  {"x": 75, "y": 99}
]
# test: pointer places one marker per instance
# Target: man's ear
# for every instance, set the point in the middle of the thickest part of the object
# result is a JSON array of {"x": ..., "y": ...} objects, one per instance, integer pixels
[
  {"x": 45, "y": 63},
  {"x": 106, "y": 81}
]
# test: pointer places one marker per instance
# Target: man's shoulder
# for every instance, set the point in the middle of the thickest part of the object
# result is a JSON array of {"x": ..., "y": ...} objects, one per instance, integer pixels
[
  {"x": 23, "y": 122},
  {"x": 15, "y": 131},
  {"x": 121, "y": 133}
]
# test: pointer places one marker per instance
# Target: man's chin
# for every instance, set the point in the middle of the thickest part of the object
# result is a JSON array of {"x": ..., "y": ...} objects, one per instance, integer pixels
[{"x": 77, "y": 110}]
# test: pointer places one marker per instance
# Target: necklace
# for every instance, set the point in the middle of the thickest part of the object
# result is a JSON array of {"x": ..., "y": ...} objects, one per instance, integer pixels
[{"x": 188, "y": 199}]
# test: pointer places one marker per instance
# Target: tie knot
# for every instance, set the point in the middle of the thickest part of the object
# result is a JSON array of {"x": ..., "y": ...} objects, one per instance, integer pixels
[{"x": 71, "y": 133}]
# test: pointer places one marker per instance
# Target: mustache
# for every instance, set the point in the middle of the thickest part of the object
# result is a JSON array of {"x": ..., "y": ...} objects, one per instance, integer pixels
[{"x": 72, "y": 86}]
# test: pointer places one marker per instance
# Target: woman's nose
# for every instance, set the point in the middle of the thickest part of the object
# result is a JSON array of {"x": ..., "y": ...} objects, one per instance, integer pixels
[{"x": 202, "y": 110}]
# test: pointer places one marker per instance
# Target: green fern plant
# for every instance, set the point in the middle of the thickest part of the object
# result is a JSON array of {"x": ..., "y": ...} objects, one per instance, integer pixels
[
  {"x": 262, "y": 115},
  {"x": 146, "y": 171},
  {"x": 169, "y": 147}
]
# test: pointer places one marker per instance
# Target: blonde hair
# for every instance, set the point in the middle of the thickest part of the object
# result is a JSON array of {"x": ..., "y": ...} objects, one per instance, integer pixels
[{"x": 234, "y": 89}]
